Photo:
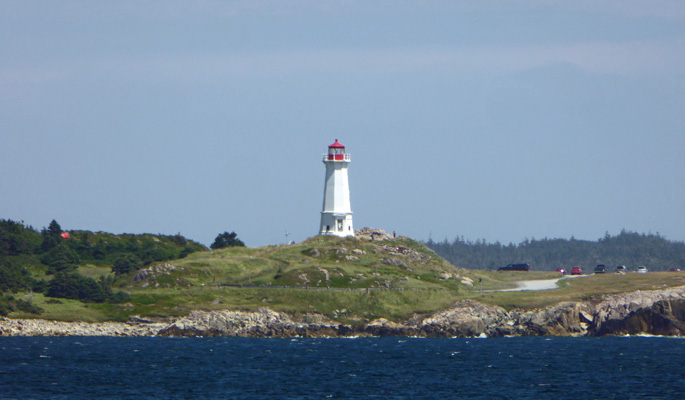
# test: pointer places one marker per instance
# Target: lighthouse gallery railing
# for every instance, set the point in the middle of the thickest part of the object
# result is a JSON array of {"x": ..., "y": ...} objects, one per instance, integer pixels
[{"x": 336, "y": 157}]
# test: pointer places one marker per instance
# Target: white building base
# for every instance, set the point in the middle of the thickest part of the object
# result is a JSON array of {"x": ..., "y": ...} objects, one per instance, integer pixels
[{"x": 336, "y": 224}]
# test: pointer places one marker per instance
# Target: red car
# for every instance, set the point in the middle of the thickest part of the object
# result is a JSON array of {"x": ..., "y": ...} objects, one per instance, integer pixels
[{"x": 576, "y": 271}]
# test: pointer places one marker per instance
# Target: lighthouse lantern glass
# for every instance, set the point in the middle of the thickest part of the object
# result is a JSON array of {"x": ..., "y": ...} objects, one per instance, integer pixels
[{"x": 336, "y": 153}]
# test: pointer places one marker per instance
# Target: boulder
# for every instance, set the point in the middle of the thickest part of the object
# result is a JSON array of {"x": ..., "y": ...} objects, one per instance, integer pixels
[{"x": 378, "y": 234}]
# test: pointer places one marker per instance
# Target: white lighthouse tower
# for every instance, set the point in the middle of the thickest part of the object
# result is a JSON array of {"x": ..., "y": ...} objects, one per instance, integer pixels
[{"x": 336, "y": 216}]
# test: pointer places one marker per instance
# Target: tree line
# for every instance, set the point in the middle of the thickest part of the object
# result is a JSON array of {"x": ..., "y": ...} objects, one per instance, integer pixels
[
  {"x": 47, "y": 261},
  {"x": 627, "y": 248}
]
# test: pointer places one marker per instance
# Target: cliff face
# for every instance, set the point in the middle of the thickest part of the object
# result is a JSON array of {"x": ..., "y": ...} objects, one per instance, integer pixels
[{"x": 660, "y": 312}]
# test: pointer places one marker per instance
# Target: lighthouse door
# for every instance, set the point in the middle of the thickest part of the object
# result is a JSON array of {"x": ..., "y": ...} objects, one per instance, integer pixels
[{"x": 340, "y": 225}]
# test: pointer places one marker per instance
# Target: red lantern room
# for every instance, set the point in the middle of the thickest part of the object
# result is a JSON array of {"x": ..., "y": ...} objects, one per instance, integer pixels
[{"x": 336, "y": 152}]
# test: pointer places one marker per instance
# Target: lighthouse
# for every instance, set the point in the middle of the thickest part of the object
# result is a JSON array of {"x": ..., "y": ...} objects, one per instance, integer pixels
[{"x": 336, "y": 216}]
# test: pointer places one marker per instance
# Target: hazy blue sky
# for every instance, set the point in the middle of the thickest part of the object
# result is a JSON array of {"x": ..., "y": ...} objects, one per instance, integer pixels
[{"x": 500, "y": 120}]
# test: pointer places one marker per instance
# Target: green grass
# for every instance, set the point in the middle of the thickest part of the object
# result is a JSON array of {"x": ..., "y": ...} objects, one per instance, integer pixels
[
  {"x": 331, "y": 276},
  {"x": 584, "y": 288},
  {"x": 93, "y": 271},
  {"x": 353, "y": 306},
  {"x": 317, "y": 262},
  {"x": 64, "y": 309}
]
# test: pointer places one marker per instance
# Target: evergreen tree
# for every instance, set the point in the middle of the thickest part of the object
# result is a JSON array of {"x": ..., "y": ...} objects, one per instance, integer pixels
[
  {"x": 126, "y": 264},
  {"x": 51, "y": 236},
  {"x": 627, "y": 248},
  {"x": 54, "y": 229},
  {"x": 14, "y": 278},
  {"x": 77, "y": 287},
  {"x": 227, "y": 240},
  {"x": 60, "y": 258}
]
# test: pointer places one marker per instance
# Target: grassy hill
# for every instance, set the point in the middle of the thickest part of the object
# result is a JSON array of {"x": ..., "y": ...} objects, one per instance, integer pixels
[
  {"x": 348, "y": 279},
  {"x": 352, "y": 280}
]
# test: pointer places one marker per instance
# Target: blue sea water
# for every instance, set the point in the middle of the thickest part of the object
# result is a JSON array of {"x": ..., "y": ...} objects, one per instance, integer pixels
[{"x": 385, "y": 368}]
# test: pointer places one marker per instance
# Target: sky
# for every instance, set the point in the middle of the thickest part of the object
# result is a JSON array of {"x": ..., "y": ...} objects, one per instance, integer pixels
[{"x": 494, "y": 120}]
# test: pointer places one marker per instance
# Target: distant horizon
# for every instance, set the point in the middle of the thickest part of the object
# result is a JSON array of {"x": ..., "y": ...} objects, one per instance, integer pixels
[{"x": 450, "y": 240}]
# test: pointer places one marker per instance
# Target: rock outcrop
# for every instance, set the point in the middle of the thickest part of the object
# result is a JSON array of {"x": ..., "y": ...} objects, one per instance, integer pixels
[
  {"x": 262, "y": 323},
  {"x": 39, "y": 327},
  {"x": 150, "y": 275},
  {"x": 660, "y": 312},
  {"x": 372, "y": 234}
]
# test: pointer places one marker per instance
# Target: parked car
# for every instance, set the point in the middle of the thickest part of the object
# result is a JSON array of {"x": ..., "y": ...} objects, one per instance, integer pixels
[
  {"x": 576, "y": 271},
  {"x": 515, "y": 267},
  {"x": 674, "y": 269},
  {"x": 601, "y": 269},
  {"x": 621, "y": 269},
  {"x": 641, "y": 270},
  {"x": 561, "y": 271}
]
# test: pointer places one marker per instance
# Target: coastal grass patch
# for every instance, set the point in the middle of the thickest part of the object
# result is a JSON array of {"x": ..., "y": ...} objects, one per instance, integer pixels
[
  {"x": 582, "y": 288},
  {"x": 62, "y": 309},
  {"x": 95, "y": 272},
  {"x": 352, "y": 306},
  {"x": 167, "y": 302},
  {"x": 347, "y": 279},
  {"x": 31, "y": 263},
  {"x": 228, "y": 266},
  {"x": 524, "y": 299},
  {"x": 344, "y": 305},
  {"x": 358, "y": 306},
  {"x": 599, "y": 284},
  {"x": 321, "y": 262}
]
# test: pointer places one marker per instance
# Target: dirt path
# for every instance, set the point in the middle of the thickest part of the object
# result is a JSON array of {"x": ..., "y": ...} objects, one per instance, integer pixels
[
  {"x": 538, "y": 285},
  {"x": 547, "y": 284}
]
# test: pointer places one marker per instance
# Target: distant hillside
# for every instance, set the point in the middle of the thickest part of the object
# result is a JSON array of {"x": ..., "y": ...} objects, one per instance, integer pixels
[
  {"x": 628, "y": 248},
  {"x": 96, "y": 276},
  {"x": 57, "y": 250},
  {"x": 75, "y": 264},
  {"x": 102, "y": 276},
  {"x": 318, "y": 262}
]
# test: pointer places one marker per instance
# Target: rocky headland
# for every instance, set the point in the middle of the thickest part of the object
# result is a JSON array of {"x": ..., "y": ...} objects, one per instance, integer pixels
[{"x": 659, "y": 312}]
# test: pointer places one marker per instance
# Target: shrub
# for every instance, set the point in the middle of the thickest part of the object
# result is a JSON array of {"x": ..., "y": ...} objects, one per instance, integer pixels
[
  {"x": 9, "y": 304},
  {"x": 77, "y": 287},
  {"x": 14, "y": 278},
  {"x": 40, "y": 286},
  {"x": 60, "y": 258},
  {"x": 119, "y": 297},
  {"x": 227, "y": 240},
  {"x": 126, "y": 264},
  {"x": 28, "y": 307}
]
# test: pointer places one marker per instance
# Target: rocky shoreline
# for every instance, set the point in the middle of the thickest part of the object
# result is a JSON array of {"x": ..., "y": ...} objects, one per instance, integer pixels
[{"x": 659, "y": 312}]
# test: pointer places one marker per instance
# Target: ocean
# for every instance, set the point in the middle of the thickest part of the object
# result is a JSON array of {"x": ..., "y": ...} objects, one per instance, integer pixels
[{"x": 383, "y": 368}]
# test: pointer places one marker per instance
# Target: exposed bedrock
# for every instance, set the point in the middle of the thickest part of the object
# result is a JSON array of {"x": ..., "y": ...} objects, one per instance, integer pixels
[{"x": 659, "y": 312}]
